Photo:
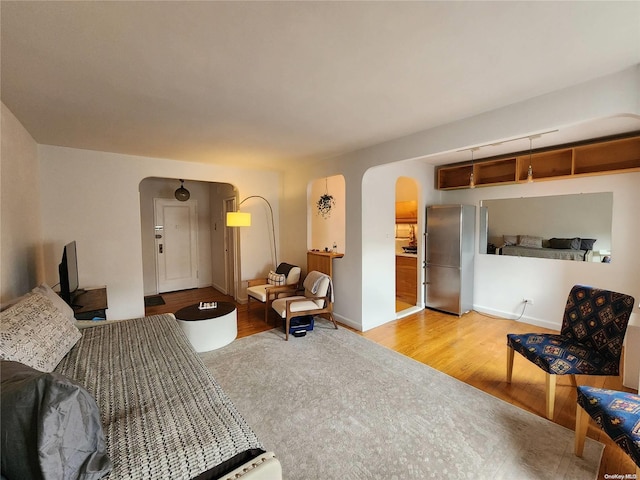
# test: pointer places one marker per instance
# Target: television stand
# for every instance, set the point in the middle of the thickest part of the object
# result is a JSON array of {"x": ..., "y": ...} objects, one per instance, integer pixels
[
  {"x": 78, "y": 293},
  {"x": 90, "y": 304}
]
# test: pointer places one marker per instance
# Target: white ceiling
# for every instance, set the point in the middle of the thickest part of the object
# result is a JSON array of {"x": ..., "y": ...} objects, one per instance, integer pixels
[{"x": 266, "y": 83}]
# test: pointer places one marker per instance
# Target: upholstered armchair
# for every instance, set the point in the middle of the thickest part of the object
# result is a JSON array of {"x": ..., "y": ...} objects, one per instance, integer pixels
[
  {"x": 590, "y": 341},
  {"x": 317, "y": 300},
  {"x": 617, "y": 413},
  {"x": 285, "y": 281}
]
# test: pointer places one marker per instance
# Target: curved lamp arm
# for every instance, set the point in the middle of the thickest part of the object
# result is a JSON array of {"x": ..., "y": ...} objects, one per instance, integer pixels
[{"x": 238, "y": 219}]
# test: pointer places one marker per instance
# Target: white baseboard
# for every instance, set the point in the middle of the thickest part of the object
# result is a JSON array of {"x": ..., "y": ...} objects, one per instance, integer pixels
[
  {"x": 220, "y": 288},
  {"x": 524, "y": 319},
  {"x": 489, "y": 311},
  {"x": 347, "y": 321},
  {"x": 408, "y": 311}
]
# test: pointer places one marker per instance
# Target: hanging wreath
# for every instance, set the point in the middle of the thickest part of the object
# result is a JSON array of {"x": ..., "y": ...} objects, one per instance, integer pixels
[{"x": 325, "y": 203}]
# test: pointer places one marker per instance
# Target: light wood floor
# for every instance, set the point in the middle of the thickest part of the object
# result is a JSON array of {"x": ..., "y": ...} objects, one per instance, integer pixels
[
  {"x": 471, "y": 349},
  {"x": 401, "y": 305}
]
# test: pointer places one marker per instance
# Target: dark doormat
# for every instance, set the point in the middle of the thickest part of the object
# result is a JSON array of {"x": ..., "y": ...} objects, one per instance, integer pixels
[{"x": 153, "y": 300}]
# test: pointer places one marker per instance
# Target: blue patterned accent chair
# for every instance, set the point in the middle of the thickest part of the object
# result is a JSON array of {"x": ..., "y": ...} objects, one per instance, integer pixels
[
  {"x": 590, "y": 341},
  {"x": 617, "y": 413}
]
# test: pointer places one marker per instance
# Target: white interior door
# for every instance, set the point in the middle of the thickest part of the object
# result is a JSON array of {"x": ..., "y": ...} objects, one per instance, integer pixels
[{"x": 176, "y": 228}]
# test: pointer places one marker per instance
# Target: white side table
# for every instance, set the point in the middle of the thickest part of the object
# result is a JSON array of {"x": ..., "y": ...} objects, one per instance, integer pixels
[{"x": 209, "y": 329}]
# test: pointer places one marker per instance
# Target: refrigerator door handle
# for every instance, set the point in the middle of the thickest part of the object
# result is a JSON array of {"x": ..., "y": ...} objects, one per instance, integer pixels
[{"x": 455, "y": 267}]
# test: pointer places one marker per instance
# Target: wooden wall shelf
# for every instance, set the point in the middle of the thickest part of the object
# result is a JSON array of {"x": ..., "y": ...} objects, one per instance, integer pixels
[
  {"x": 322, "y": 261},
  {"x": 547, "y": 165},
  {"x": 614, "y": 156},
  {"x": 454, "y": 177},
  {"x": 598, "y": 157},
  {"x": 496, "y": 171}
]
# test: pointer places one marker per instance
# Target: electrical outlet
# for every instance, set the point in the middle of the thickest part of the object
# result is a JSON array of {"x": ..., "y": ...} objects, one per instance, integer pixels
[{"x": 527, "y": 300}]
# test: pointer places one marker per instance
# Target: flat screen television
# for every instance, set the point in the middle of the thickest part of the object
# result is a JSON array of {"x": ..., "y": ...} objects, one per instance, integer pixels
[{"x": 68, "y": 270}]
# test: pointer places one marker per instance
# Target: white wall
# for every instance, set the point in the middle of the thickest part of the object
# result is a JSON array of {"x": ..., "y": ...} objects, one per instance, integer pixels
[
  {"x": 364, "y": 277},
  {"x": 219, "y": 193},
  {"x": 21, "y": 237},
  {"x": 92, "y": 197},
  {"x": 325, "y": 231},
  {"x": 501, "y": 282},
  {"x": 379, "y": 258}
]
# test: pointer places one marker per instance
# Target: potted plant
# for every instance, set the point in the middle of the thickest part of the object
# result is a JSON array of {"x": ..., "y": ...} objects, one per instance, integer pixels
[{"x": 325, "y": 204}]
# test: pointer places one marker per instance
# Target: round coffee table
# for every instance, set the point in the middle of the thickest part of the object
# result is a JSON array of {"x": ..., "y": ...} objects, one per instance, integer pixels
[{"x": 211, "y": 328}]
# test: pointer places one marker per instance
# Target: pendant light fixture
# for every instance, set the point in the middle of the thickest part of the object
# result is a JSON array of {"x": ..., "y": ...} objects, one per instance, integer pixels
[
  {"x": 530, "y": 169},
  {"x": 472, "y": 182},
  {"x": 182, "y": 194}
]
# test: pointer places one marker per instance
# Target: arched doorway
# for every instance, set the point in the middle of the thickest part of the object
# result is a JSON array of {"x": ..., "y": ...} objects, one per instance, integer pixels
[
  {"x": 214, "y": 249},
  {"x": 406, "y": 243}
]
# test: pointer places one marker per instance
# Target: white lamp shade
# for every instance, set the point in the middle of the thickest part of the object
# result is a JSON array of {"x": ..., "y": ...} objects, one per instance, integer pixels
[{"x": 238, "y": 219}]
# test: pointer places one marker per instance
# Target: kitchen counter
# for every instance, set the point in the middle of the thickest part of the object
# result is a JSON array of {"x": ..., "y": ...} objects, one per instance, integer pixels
[{"x": 401, "y": 242}]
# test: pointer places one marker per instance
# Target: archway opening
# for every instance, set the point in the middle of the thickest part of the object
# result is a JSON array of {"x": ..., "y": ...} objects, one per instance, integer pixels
[{"x": 406, "y": 243}]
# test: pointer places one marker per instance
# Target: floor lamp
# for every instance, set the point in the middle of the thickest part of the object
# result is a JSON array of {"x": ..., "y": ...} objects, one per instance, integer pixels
[{"x": 243, "y": 219}]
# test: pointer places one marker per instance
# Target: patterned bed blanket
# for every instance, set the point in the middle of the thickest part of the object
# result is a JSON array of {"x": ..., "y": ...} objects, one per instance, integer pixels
[
  {"x": 555, "y": 253},
  {"x": 163, "y": 413}
]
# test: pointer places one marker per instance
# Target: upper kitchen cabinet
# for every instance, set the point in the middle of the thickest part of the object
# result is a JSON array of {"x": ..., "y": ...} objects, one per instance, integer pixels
[{"x": 407, "y": 211}]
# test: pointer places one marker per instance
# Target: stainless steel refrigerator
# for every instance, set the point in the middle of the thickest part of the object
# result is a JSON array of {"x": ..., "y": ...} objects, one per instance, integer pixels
[{"x": 450, "y": 251}]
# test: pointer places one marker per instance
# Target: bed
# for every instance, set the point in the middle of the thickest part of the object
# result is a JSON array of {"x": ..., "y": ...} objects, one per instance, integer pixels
[
  {"x": 575, "y": 248},
  {"x": 541, "y": 252},
  {"x": 157, "y": 411}
]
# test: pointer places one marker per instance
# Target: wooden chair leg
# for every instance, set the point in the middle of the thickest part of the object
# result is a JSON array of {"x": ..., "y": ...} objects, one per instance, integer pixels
[
  {"x": 335, "y": 324},
  {"x": 510, "y": 352},
  {"x": 551, "y": 395},
  {"x": 267, "y": 307},
  {"x": 582, "y": 423},
  {"x": 286, "y": 328},
  {"x": 573, "y": 381}
]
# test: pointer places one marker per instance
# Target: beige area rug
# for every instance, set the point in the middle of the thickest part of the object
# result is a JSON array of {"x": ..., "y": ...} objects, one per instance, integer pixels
[{"x": 334, "y": 405}]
